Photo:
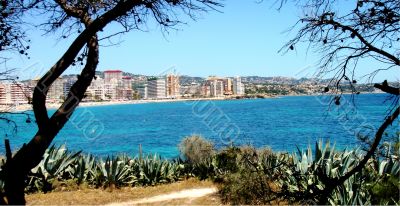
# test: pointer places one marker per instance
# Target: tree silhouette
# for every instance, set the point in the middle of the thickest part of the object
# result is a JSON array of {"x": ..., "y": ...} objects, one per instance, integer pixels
[
  {"x": 369, "y": 30},
  {"x": 85, "y": 18}
]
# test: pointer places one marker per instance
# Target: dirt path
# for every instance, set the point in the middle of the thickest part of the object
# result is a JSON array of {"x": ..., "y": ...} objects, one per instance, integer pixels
[{"x": 183, "y": 194}]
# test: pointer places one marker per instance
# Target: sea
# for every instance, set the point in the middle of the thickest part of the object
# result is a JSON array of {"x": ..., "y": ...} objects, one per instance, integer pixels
[{"x": 282, "y": 124}]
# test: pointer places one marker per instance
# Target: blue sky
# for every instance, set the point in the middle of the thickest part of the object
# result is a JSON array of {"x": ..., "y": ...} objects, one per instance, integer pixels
[{"x": 242, "y": 40}]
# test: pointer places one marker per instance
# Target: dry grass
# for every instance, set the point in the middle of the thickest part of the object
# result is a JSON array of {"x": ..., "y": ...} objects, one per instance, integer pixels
[{"x": 104, "y": 196}]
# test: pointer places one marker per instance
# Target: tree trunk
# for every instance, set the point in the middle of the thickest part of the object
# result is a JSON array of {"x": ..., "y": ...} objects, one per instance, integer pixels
[{"x": 18, "y": 167}]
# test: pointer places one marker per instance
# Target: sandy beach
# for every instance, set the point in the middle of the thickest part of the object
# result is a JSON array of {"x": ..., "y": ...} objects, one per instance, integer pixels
[{"x": 28, "y": 107}]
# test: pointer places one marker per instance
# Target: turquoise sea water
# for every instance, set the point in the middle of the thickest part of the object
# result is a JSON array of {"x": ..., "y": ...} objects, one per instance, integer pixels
[{"x": 280, "y": 123}]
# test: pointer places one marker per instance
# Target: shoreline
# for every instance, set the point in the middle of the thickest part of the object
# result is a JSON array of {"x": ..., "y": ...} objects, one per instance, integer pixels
[{"x": 28, "y": 107}]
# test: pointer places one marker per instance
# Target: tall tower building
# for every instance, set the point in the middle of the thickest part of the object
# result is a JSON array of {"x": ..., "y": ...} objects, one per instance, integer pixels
[
  {"x": 228, "y": 86},
  {"x": 125, "y": 90},
  {"x": 238, "y": 86},
  {"x": 215, "y": 86},
  {"x": 173, "y": 86}
]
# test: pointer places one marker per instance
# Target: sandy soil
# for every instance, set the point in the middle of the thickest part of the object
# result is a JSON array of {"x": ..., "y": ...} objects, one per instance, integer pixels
[{"x": 183, "y": 194}]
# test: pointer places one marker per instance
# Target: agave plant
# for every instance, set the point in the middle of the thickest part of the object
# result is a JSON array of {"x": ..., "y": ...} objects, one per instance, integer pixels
[
  {"x": 270, "y": 164},
  {"x": 154, "y": 170},
  {"x": 114, "y": 172},
  {"x": 305, "y": 175},
  {"x": 205, "y": 169},
  {"x": 390, "y": 165},
  {"x": 84, "y": 169},
  {"x": 56, "y": 165},
  {"x": 171, "y": 171},
  {"x": 151, "y": 170},
  {"x": 352, "y": 192}
]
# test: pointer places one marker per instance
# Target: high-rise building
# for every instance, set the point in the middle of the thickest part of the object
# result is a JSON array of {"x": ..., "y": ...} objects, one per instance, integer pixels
[
  {"x": 56, "y": 91},
  {"x": 124, "y": 89},
  {"x": 96, "y": 90},
  {"x": 238, "y": 86},
  {"x": 228, "y": 86},
  {"x": 112, "y": 74},
  {"x": 217, "y": 88},
  {"x": 173, "y": 86},
  {"x": 156, "y": 88},
  {"x": 110, "y": 89},
  {"x": 15, "y": 93},
  {"x": 142, "y": 90},
  {"x": 68, "y": 82},
  {"x": 127, "y": 82},
  {"x": 214, "y": 87}
]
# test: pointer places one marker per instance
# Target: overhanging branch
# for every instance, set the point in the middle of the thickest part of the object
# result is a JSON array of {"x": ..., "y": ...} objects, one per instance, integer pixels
[{"x": 388, "y": 89}]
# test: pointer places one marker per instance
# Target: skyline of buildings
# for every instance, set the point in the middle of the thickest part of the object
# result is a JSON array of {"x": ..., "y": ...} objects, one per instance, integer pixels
[{"x": 114, "y": 86}]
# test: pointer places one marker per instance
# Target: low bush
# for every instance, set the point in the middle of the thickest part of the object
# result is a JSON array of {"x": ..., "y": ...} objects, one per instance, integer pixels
[
  {"x": 196, "y": 149},
  {"x": 248, "y": 180}
]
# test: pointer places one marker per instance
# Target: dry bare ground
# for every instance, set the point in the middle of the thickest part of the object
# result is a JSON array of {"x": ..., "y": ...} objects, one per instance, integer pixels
[
  {"x": 188, "y": 192},
  {"x": 185, "y": 197}
]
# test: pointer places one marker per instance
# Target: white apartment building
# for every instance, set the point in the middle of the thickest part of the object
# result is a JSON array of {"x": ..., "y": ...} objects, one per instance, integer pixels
[
  {"x": 216, "y": 88},
  {"x": 238, "y": 86},
  {"x": 156, "y": 88},
  {"x": 14, "y": 93},
  {"x": 114, "y": 86},
  {"x": 96, "y": 90}
]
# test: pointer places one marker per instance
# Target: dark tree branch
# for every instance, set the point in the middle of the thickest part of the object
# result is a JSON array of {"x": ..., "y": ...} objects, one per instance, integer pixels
[
  {"x": 40, "y": 91},
  {"x": 378, "y": 136},
  {"x": 388, "y": 89},
  {"x": 370, "y": 47}
]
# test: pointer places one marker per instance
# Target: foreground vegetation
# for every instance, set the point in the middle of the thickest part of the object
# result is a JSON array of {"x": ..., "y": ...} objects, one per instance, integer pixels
[{"x": 245, "y": 175}]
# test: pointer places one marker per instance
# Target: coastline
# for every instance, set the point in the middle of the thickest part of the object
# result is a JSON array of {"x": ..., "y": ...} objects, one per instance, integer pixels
[{"x": 28, "y": 107}]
